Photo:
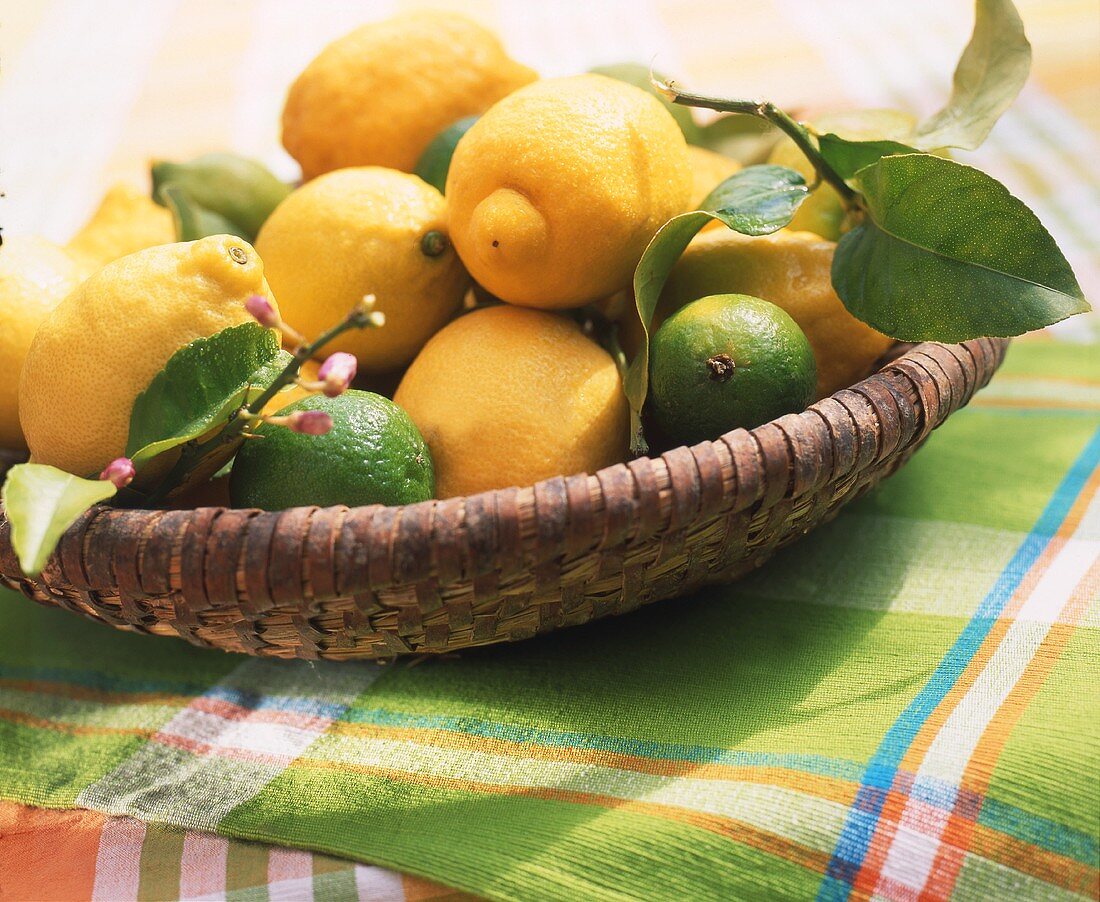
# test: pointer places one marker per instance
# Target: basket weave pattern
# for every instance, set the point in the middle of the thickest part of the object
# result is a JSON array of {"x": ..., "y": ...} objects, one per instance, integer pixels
[{"x": 377, "y": 582}]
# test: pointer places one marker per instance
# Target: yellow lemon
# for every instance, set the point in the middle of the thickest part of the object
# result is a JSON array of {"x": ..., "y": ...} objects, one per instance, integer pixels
[
  {"x": 792, "y": 270},
  {"x": 103, "y": 344},
  {"x": 35, "y": 274},
  {"x": 125, "y": 221},
  {"x": 379, "y": 95},
  {"x": 505, "y": 396},
  {"x": 366, "y": 230},
  {"x": 555, "y": 191},
  {"x": 708, "y": 171}
]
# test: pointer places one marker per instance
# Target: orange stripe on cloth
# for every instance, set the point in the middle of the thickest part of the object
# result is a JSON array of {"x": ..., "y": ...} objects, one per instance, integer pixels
[
  {"x": 1034, "y": 403},
  {"x": 833, "y": 789},
  {"x": 866, "y": 881},
  {"x": 75, "y": 729},
  {"x": 742, "y": 833},
  {"x": 30, "y": 842},
  {"x": 90, "y": 694},
  {"x": 960, "y": 831}
]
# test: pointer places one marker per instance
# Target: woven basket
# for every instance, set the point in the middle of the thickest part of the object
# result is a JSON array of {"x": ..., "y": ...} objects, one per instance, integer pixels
[{"x": 377, "y": 582}]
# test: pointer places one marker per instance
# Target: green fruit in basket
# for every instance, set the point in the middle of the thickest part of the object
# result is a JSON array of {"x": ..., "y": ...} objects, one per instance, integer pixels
[
  {"x": 727, "y": 361},
  {"x": 373, "y": 454},
  {"x": 435, "y": 162}
]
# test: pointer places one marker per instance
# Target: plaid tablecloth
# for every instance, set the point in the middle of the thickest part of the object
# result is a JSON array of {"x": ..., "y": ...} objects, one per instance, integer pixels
[{"x": 903, "y": 704}]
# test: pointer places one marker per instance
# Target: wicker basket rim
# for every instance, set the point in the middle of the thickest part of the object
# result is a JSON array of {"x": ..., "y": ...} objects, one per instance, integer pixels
[{"x": 871, "y": 387}]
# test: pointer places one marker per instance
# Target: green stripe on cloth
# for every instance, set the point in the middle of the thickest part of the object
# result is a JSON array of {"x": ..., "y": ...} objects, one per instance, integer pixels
[
  {"x": 713, "y": 746},
  {"x": 161, "y": 852}
]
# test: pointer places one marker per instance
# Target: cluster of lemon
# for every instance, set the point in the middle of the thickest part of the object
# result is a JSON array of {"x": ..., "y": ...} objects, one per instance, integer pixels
[{"x": 537, "y": 197}]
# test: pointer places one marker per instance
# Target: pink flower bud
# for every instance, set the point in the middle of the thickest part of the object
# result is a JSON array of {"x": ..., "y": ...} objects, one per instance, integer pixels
[
  {"x": 120, "y": 471},
  {"x": 309, "y": 422},
  {"x": 337, "y": 372},
  {"x": 262, "y": 311}
]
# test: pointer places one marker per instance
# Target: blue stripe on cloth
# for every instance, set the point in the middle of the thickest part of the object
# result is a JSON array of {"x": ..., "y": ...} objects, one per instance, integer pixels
[{"x": 862, "y": 821}]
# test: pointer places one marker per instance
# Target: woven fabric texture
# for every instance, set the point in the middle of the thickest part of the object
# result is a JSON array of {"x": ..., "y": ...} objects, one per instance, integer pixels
[{"x": 903, "y": 704}]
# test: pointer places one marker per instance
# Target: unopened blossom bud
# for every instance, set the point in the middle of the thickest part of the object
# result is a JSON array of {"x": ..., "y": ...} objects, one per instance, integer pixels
[
  {"x": 309, "y": 422},
  {"x": 337, "y": 372},
  {"x": 377, "y": 318},
  {"x": 119, "y": 471},
  {"x": 262, "y": 311},
  {"x": 366, "y": 304}
]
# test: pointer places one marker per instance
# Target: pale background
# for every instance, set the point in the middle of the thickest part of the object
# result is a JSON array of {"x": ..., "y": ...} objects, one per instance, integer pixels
[{"x": 90, "y": 90}]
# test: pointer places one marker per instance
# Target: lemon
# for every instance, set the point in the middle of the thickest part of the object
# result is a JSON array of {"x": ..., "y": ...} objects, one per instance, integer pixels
[
  {"x": 379, "y": 95},
  {"x": 792, "y": 270},
  {"x": 506, "y": 396},
  {"x": 555, "y": 192},
  {"x": 125, "y": 221},
  {"x": 724, "y": 362},
  {"x": 372, "y": 455},
  {"x": 365, "y": 230},
  {"x": 823, "y": 211},
  {"x": 642, "y": 76},
  {"x": 35, "y": 274},
  {"x": 708, "y": 171},
  {"x": 103, "y": 344}
]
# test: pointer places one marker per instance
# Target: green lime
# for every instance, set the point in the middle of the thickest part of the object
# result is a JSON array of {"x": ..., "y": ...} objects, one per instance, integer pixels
[
  {"x": 373, "y": 454},
  {"x": 435, "y": 162},
  {"x": 638, "y": 75},
  {"x": 724, "y": 361}
]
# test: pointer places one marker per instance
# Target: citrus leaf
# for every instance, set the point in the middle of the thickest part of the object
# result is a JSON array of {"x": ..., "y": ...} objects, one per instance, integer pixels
[
  {"x": 848, "y": 157},
  {"x": 757, "y": 200},
  {"x": 229, "y": 189},
  {"x": 642, "y": 76},
  {"x": 41, "y": 502},
  {"x": 990, "y": 73},
  {"x": 435, "y": 161},
  {"x": 746, "y": 138},
  {"x": 945, "y": 253},
  {"x": 200, "y": 386},
  {"x": 193, "y": 221}
]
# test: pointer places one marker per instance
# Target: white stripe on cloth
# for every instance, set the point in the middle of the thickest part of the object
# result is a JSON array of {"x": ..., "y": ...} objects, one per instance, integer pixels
[
  {"x": 378, "y": 885},
  {"x": 118, "y": 860},
  {"x": 202, "y": 765},
  {"x": 203, "y": 867},
  {"x": 293, "y": 889},
  {"x": 917, "y": 840}
]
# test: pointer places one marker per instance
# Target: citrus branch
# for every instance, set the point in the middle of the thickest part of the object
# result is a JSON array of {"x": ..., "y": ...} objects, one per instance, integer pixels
[{"x": 768, "y": 111}]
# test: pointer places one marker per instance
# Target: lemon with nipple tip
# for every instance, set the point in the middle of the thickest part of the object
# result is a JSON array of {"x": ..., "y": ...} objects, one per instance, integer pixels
[{"x": 556, "y": 190}]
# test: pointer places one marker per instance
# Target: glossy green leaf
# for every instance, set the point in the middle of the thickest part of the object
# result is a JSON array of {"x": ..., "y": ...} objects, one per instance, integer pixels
[
  {"x": 991, "y": 71},
  {"x": 758, "y": 200},
  {"x": 200, "y": 386},
  {"x": 40, "y": 503},
  {"x": 193, "y": 221},
  {"x": 847, "y": 157},
  {"x": 641, "y": 77},
  {"x": 945, "y": 253},
  {"x": 235, "y": 189}
]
